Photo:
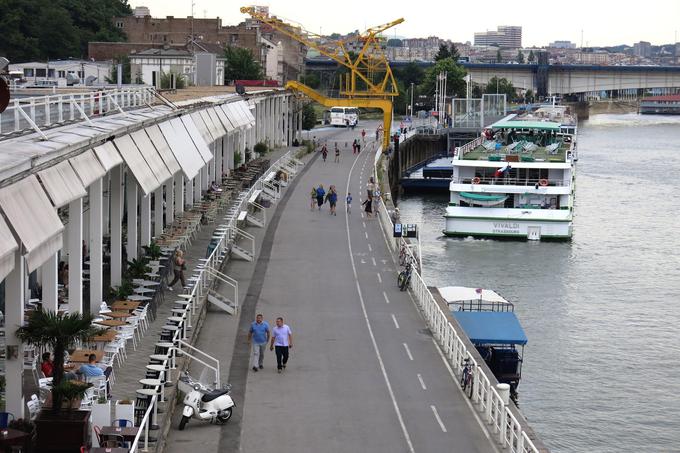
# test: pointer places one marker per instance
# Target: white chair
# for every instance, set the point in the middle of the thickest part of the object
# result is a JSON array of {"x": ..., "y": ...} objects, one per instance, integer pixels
[
  {"x": 98, "y": 385},
  {"x": 33, "y": 406},
  {"x": 103, "y": 308},
  {"x": 127, "y": 332}
]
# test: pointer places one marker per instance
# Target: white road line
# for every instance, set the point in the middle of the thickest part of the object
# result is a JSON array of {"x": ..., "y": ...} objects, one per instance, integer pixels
[
  {"x": 408, "y": 351},
  {"x": 366, "y": 234},
  {"x": 362, "y": 215},
  {"x": 364, "y": 224},
  {"x": 394, "y": 318},
  {"x": 422, "y": 383},
  {"x": 439, "y": 420},
  {"x": 379, "y": 278},
  {"x": 407, "y": 437},
  {"x": 373, "y": 259},
  {"x": 370, "y": 249},
  {"x": 387, "y": 301}
]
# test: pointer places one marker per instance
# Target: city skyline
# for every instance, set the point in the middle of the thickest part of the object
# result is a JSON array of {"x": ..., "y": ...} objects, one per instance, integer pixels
[{"x": 540, "y": 26}]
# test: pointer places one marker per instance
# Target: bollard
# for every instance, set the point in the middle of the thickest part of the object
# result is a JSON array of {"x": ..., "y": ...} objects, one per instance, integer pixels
[{"x": 504, "y": 392}]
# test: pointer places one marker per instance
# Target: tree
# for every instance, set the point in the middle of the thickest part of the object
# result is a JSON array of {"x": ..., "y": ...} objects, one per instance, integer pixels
[
  {"x": 240, "y": 65},
  {"x": 112, "y": 78},
  {"x": 455, "y": 85},
  {"x": 454, "y": 52},
  {"x": 499, "y": 56},
  {"x": 520, "y": 57},
  {"x": 394, "y": 42},
  {"x": 308, "y": 117},
  {"x": 411, "y": 73},
  {"x": 501, "y": 86},
  {"x": 166, "y": 80},
  {"x": 531, "y": 57},
  {"x": 529, "y": 96},
  {"x": 443, "y": 53},
  {"x": 311, "y": 80}
]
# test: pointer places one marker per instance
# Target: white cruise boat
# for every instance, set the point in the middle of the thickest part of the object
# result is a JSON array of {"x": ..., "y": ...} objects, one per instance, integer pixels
[{"x": 517, "y": 180}]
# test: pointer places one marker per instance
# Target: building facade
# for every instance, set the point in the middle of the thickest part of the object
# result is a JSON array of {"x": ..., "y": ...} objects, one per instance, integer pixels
[
  {"x": 147, "y": 65},
  {"x": 509, "y": 36}
]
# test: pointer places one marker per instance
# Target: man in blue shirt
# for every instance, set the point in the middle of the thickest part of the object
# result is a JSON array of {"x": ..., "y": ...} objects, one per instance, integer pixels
[{"x": 258, "y": 336}]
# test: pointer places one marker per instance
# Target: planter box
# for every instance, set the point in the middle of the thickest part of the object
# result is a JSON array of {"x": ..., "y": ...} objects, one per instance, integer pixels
[
  {"x": 63, "y": 432},
  {"x": 101, "y": 416},
  {"x": 124, "y": 411}
]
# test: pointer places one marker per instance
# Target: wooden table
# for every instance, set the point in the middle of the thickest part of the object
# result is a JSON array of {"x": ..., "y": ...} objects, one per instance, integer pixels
[
  {"x": 111, "y": 323},
  {"x": 13, "y": 438},
  {"x": 108, "y": 450},
  {"x": 117, "y": 314},
  {"x": 121, "y": 305},
  {"x": 128, "y": 432},
  {"x": 107, "y": 336},
  {"x": 81, "y": 355}
]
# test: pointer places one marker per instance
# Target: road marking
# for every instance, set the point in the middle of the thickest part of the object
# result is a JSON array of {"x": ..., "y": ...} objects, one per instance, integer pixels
[
  {"x": 439, "y": 420},
  {"x": 364, "y": 224},
  {"x": 394, "y": 318},
  {"x": 379, "y": 278},
  {"x": 387, "y": 301},
  {"x": 408, "y": 351},
  {"x": 370, "y": 249},
  {"x": 366, "y": 234},
  {"x": 362, "y": 215},
  {"x": 407, "y": 437},
  {"x": 373, "y": 259},
  {"x": 422, "y": 383}
]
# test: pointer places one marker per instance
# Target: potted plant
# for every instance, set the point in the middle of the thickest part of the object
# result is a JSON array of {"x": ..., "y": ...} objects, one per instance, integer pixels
[
  {"x": 123, "y": 291},
  {"x": 56, "y": 430},
  {"x": 260, "y": 148},
  {"x": 137, "y": 268},
  {"x": 152, "y": 251}
]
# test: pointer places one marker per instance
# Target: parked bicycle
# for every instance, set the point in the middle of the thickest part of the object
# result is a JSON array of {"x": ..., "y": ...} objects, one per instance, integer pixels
[
  {"x": 404, "y": 277},
  {"x": 467, "y": 378}
]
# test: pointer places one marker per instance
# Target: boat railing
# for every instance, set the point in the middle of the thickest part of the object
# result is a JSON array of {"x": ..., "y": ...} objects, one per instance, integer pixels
[
  {"x": 509, "y": 181},
  {"x": 466, "y": 148},
  {"x": 494, "y": 409}
]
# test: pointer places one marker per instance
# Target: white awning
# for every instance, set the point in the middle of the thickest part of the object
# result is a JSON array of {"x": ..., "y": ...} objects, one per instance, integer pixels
[
  {"x": 108, "y": 155},
  {"x": 247, "y": 114},
  {"x": 453, "y": 294},
  {"x": 151, "y": 156},
  {"x": 219, "y": 128},
  {"x": 7, "y": 248},
  {"x": 222, "y": 115},
  {"x": 87, "y": 167},
  {"x": 62, "y": 184},
  {"x": 136, "y": 163},
  {"x": 163, "y": 148},
  {"x": 34, "y": 219},
  {"x": 182, "y": 147},
  {"x": 234, "y": 115},
  {"x": 196, "y": 138},
  {"x": 207, "y": 119},
  {"x": 202, "y": 127}
]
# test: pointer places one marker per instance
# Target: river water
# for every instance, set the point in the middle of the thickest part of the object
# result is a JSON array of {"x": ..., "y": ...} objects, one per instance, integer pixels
[{"x": 602, "y": 313}]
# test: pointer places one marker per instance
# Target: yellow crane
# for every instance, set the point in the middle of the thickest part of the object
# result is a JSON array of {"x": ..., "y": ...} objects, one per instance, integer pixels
[{"x": 370, "y": 82}]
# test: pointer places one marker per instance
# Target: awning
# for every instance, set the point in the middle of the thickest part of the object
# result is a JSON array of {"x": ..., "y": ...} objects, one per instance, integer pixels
[
  {"x": 182, "y": 147},
  {"x": 7, "y": 248},
  {"x": 163, "y": 148},
  {"x": 34, "y": 219},
  {"x": 247, "y": 114},
  {"x": 453, "y": 294},
  {"x": 222, "y": 115},
  {"x": 151, "y": 156},
  {"x": 235, "y": 115},
  {"x": 196, "y": 138},
  {"x": 219, "y": 128},
  {"x": 136, "y": 163},
  {"x": 62, "y": 184},
  {"x": 202, "y": 127},
  {"x": 108, "y": 155},
  {"x": 488, "y": 327},
  {"x": 87, "y": 167}
]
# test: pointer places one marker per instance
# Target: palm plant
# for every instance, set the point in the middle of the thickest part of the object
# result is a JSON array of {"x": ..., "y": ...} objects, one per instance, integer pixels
[
  {"x": 138, "y": 267},
  {"x": 153, "y": 250},
  {"x": 58, "y": 332}
]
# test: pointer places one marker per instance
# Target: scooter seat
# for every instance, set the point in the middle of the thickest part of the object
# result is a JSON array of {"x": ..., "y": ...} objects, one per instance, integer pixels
[{"x": 207, "y": 397}]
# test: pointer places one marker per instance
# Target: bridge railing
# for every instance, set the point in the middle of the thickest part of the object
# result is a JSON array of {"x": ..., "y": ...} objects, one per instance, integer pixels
[{"x": 494, "y": 410}]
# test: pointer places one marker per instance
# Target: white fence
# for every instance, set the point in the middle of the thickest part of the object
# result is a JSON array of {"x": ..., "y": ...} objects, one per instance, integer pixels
[{"x": 488, "y": 402}]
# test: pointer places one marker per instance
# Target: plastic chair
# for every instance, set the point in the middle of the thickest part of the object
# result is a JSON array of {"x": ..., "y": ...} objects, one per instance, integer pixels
[{"x": 5, "y": 419}]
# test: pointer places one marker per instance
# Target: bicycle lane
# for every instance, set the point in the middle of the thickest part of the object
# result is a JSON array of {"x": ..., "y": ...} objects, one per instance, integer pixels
[{"x": 435, "y": 412}]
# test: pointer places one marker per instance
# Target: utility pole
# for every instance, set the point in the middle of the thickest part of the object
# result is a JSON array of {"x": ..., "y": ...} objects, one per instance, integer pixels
[{"x": 412, "y": 100}]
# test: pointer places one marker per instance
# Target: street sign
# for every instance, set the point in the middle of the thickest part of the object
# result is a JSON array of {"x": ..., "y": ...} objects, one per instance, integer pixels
[{"x": 406, "y": 230}]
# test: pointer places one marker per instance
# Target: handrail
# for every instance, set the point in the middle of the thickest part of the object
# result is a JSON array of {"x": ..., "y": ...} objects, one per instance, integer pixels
[
  {"x": 144, "y": 427},
  {"x": 215, "y": 368},
  {"x": 466, "y": 148},
  {"x": 509, "y": 181},
  {"x": 484, "y": 395}
]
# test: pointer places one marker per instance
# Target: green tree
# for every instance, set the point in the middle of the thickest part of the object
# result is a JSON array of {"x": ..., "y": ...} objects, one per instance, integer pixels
[
  {"x": 411, "y": 73},
  {"x": 453, "y": 50},
  {"x": 311, "y": 79},
  {"x": 166, "y": 80},
  {"x": 308, "y": 116},
  {"x": 499, "y": 56},
  {"x": 501, "y": 86},
  {"x": 443, "y": 53},
  {"x": 394, "y": 42},
  {"x": 455, "y": 85},
  {"x": 529, "y": 96},
  {"x": 531, "y": 58},
  {"x": 520, "y": 57},
  {"x": 240, "y": 65},
  {"x": 112, "y": 78}
]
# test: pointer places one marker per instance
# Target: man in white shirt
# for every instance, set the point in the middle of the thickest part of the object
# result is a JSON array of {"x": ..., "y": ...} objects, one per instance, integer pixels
[{"x": 282, "y": 340}]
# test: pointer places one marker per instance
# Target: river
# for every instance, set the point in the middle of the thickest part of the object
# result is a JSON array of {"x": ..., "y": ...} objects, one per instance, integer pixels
[{"x": 602, "y": 366}]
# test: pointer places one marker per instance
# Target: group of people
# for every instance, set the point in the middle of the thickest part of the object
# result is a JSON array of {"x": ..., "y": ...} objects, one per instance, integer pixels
[
  {"x": 324, "y": 152},
  {"x": 373, "y": 196},
  {"x": 86, "y": 370},
  {"x": 319, "y": 196},
  {"x": 280, "y": 340}
]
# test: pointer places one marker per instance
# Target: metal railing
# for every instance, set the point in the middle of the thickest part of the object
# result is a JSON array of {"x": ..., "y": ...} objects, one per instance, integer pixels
[
  {"x": 493, "y": 409},
  {"x": 510, "y": 181},
  {"x": 466, "y": 148},
  {"x": 144, "y": 427},
  {"x": 44, "y": 111}
]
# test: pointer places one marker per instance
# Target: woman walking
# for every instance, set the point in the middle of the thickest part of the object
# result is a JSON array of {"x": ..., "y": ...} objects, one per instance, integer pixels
[
  {"x": 178, "y": 270},
  {"x": 313, "y": 201},
  {"x": 320, "y": 193},
  {"x": 367, "y": 207},
  {"x": 332, "y": 198}
]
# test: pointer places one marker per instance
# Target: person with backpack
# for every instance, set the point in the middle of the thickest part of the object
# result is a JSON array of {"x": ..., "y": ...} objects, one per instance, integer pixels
[
  {"x": 324, "y": 152},
  {"x": 332, "y": 198},
  {"x": 320, "y": 193}
]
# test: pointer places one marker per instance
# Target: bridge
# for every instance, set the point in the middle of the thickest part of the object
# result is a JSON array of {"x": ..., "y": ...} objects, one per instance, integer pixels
[{"x": 580, "y": 81}]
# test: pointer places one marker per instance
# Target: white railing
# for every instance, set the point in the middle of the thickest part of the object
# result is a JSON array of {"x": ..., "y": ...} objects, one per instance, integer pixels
[
  {"x": 144, "y": 427},
  {"x": 466, "y": 148},
  {"x": 488, "y": 402},
  {"x": 44, "y": 111}
]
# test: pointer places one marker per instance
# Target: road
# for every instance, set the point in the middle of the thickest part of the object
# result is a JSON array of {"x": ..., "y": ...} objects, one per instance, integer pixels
[{"x": 364, "y": 373}]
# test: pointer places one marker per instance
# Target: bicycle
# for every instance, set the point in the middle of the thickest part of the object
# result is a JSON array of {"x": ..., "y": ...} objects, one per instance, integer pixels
[
  {"x": 467, "y": 378},
  {"x": 403, "y": 254},
  {"x": 404, "y": 277}
]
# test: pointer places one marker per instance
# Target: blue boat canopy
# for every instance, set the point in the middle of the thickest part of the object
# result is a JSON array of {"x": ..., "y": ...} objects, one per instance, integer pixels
[{"x": 485, "y": 327}]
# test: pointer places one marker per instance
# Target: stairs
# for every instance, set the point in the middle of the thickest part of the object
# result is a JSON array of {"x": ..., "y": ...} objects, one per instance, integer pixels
[
  {"x": 242, "y": 253},
  {"x": 222, "y": 302}
]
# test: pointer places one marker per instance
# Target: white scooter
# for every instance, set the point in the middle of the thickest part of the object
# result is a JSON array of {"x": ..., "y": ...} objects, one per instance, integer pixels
[{"x": 203, "y": 403}]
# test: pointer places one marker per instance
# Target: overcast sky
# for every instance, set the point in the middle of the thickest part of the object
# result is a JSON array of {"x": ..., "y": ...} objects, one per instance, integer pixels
[{"x": 603, "y": 23}]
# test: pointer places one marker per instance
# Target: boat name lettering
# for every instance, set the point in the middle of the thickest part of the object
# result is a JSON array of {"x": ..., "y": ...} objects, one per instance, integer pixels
[{"x": 505, "y": 228}]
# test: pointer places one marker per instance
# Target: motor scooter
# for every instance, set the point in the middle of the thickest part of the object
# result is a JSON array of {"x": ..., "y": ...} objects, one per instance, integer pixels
[{"x": 204, "y": 403}]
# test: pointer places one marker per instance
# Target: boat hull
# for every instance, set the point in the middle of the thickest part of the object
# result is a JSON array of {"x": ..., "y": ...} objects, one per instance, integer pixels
[{"x": 520, "y": 229}]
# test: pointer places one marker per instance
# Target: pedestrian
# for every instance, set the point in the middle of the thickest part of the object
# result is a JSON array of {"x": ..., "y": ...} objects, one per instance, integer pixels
[
  {"x": 348, "y": 202},
  {"x": 367, "y": 207},
  {"x": 377, "y": 134},
  {"x": 370, "y": 188},
  {"x": 282, "y": 339},
  {"x": 376, "y": 198},
  {"x": 354, "y": 146},
  {"x": 258, "y": 336},
  {"x": 358, "y": 147},
  {"x": 178, "y": 270},
  {"x": 332, "y": 198},
  {"x": 320, "y": 193},
  {"x": 324, "y": 152},
  {"x": 363, "y": 135},
  {"x": 313, "y": 195},
  {"x": 337, "y": 154}
]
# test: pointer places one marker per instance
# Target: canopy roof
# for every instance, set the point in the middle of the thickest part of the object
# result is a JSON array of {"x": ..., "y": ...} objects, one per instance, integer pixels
[
  {"x": 539, "y": 125},
  {"x": 491, "y": 327},
  {"x": 453, "y": 294},
  {"x": 482, "y": 197}
]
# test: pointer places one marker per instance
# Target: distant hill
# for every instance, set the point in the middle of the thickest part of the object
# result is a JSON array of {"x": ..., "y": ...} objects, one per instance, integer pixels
[{"x": 56, "y": 29}]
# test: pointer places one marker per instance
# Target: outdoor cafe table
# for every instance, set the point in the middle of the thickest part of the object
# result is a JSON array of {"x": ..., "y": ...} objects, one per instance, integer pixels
[
  {"x": 14, "y": 438},
  {"x": 128, "y": 432},
  {"x": 117, "y": 314},
  {"x": 111, "y": 323},
  {"x": 138, "y": 297},
  {"x": 105, "y": 337},
  {"x": 82, "y": 355},
  {"x": 122, "y": 305}
]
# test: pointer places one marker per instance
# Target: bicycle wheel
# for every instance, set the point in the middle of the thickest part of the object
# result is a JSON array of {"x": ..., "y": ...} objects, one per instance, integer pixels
[
  {"x": 400, "y": 279},
  {"x": 471, "y": 385}
]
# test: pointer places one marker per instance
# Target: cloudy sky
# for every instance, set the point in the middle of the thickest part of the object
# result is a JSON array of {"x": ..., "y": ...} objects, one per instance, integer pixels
[{"x": 603, "y": 22}]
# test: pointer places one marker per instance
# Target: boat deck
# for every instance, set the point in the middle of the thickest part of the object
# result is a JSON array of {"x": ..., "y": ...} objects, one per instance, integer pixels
[{"x": 540, "y": 154}]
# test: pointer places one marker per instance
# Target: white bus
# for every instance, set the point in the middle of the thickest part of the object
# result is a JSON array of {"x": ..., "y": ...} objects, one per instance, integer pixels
[{"x": 344, "y": 116}]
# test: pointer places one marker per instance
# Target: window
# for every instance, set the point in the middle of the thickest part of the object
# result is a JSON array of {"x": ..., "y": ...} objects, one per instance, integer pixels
[
  {"x": 40, "y": 72},
  {"x": 50, "y": 73},
  {"x": 81, "y": 74},
  {"x": 61, "y": 74},
  {"x": 234, "y": 38},
  {"x": 120, "y": 24},
  {"x": 28, "y": 72}
]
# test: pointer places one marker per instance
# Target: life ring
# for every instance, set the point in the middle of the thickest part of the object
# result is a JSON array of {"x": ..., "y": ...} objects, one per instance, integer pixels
[
  {"x": 543, "y": 182},
  {"x": 476, "y": 180}
]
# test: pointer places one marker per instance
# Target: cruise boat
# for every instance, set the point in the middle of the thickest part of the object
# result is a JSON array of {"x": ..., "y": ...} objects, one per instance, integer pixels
[{"x": 517, "y": 179}]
